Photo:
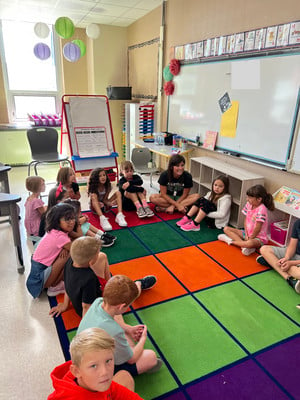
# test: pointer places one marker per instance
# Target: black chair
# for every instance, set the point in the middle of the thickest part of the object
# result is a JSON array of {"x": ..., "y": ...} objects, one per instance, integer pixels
[{"x": 43, "y": 143}]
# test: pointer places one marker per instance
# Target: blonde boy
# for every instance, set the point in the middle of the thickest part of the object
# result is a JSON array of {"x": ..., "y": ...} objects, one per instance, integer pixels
[
  {"x": 106, "y": 313},
  {"x": 89, "y": 374}
]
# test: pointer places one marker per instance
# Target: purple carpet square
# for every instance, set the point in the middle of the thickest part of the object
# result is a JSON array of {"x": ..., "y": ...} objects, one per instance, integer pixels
[
  {"x": 244, "y": 381},
  {"x": 283, "y": 363}
]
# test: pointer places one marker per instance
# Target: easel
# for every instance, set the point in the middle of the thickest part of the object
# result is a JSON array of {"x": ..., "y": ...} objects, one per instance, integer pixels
[{"x": 86, "y": 123}]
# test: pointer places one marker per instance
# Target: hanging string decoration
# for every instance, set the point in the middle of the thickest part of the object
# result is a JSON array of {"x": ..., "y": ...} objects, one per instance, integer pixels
[
  {"x": 71, "y": 52},
  {"x": 41, "y": 30},
  {"x": 93, "y": 31},
  {"x": 42, "y": 51},
  {"x": 64, "y": 27},
  {"x": 81, "y": 45}
]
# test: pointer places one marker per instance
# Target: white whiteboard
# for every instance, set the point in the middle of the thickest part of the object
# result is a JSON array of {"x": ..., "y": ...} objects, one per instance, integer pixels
[{"x": 267, "y": 114}]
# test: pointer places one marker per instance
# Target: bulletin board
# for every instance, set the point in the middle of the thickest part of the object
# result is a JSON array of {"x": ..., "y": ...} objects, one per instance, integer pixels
[
  {"x": 86, "y": 121},
  {"x": 265, "y": 91}
]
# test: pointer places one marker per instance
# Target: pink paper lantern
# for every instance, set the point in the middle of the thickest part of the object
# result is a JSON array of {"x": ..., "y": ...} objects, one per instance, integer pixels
[
  {"x": 42, "y": 51},
  {"x": 71, "y": 52}
]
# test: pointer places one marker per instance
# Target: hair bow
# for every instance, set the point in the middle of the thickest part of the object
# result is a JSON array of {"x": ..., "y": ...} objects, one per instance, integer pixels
[{"x": 59, "y": 190}]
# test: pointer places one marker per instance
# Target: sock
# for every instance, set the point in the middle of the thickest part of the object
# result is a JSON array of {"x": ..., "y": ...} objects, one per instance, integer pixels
[
  {"x": 144, "y": 203},
  {"x": 138, "y": 205},
  {"x": 99, "y": 232},
  {"x": 188, "y": 216}
]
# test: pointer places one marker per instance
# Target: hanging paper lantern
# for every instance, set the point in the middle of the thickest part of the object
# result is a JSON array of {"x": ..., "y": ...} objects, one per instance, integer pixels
[
  {"x": 64, "y": 27},
  {"x": 174, "y": 66},
  {"x": 167, "y": 74},
  {"x": 169, "y": 88},
  {"x": 41, "y": 30},
  {"x": 71, "y": 52},
  {"x": 81, "y": 45},
  {"x": 93, "y": 31},
  {"x": 42, "y": 51}
]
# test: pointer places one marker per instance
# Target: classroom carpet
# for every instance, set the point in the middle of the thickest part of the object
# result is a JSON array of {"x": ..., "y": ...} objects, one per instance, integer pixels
[{"x": 225, "y": 327}]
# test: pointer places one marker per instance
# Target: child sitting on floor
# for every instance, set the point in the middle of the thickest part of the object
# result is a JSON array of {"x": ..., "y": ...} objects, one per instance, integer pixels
[
  {"x": 119, "y": 293},
  {"x": 133, "y": 194},
  {"x": 90, "y": 373},
  {"x": 214, "y": 207},
  {"x": 66, "y": 176},
  {"x": 84, "y": 228},
  {"x": 102, "y": 198},
  {"x": 52, "y": 252},
  {"x": 34, "y": 205},
  {"x": 254, "y": 234}
]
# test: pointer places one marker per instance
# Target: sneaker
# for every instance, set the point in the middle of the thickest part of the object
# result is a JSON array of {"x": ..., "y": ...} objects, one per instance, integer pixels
[
  {"x": 297, "y": 287},
  {"x": 294, "y": 283},
  {"x": 147, "y": 282},
  {"x": 225, "y": 238},
  {"x": 183, "y": 221},
  {"x": 248, "y": 250},
  {"x": 106, "y": 241},
  {"x": 156, "y": 367},
  {"x": 190, "y": 226},
  {"x": 112, "y": 237},
  {"x": 120, "y": 220},
  {"x": 105, "y": 224},
  {"x": 53, "y": 291},
  {"x": 149, "y": 212},
  {"x": 298, "y": 306},
  {"x": 260, "y": 260},
  {"x": 141, "y": 213}
]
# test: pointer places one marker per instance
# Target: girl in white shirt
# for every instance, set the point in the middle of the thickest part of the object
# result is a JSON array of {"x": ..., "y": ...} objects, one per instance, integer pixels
[{"x": 214, "y": 207}]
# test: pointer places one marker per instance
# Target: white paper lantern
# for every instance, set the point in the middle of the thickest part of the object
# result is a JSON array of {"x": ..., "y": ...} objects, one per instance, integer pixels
[
  {"x": 41, "y": 30},
  {"x": 93, "y": 31}
]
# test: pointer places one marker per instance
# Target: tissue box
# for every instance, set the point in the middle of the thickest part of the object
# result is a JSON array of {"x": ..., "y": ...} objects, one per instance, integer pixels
[{"x": 279, "y": 231}]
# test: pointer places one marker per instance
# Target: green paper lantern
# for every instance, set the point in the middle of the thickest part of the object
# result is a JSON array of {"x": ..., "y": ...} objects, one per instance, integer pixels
[
  {"x": 64, "y": 27},
  {"x": 168, "y": 76},
  {"x": 81, "y": 45}
]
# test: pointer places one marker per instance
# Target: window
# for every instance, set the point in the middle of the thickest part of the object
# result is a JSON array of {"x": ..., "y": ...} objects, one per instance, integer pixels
[{"x": 31, "y": 83}]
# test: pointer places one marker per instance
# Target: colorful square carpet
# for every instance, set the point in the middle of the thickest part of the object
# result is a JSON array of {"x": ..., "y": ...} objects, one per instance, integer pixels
[{"x": 225, "y": 327}]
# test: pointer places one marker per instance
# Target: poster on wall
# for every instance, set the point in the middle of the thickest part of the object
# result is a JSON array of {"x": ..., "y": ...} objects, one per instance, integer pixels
[
  {"x": 179, "y": 52},
  {"x": 207, "y": 45},
  {"x": 295, "y": 33},
  {"x": 188, "y": 51},
  {"x": 199, "y": 51},
  {"x": 283, "y": 35},
  {"x": 239, "y": 42},
  {"x": 230, "y": 44},
  {"x": 249, "y": 41},
  {"x": 91, "y": 141},
  {"x": 260, "y": 38},
  {"x": 271, "y": 36},
  {"x": 222, "y": 45}
]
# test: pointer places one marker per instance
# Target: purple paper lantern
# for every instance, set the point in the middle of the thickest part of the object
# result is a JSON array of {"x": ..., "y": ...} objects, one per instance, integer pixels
[
  {"x": 71, "y": 52},
  {"x": 42, "y": 51}
]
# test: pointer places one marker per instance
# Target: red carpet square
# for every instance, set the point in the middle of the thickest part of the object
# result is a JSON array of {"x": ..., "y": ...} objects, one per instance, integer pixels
[
  {"x": 166, "y": 287},
  {"x": 194, "y": 268},
  {"x": 133, "y": 220},
  {"x": 232, "y": 258},
  {"x": 94, "y": 219}
]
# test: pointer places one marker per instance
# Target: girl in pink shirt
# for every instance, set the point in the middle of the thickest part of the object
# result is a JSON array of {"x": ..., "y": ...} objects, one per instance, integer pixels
[
  {"x": 52, "y": 252},
  {"x": 254, "y": 234},
  {"x": 34, "y": 206}
]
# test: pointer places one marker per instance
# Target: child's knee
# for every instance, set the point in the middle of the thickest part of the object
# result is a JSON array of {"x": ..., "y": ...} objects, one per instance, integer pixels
[{"x": 102, "y": 257}]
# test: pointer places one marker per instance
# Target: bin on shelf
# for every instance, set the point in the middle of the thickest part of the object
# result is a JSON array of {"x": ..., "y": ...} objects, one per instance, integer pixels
[{"x": 279, "y": 231}]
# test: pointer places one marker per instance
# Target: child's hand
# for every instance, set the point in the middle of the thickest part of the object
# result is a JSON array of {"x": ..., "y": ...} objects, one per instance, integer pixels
[
  {"x": 57, "y": 310},
  {"x": 284, "y": 264},
  {"x": 125, "y": 186},
  {"x": 135, "y": 332}
]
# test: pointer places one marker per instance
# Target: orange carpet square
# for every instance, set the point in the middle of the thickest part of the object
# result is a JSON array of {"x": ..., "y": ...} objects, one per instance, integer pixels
[
  {"x": 70, "y": 318},
  {"x": 166, "y": 287},
  {"x": 194, "y": 268},
  {"x": 232, "y": 258}
]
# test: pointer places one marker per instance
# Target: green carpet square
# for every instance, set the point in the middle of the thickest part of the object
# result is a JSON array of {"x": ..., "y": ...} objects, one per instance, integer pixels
[
  {"x": 149, "y": 386},
  {"x": 274, "y": 288},
  {"x": 160, "y": 237},
  {"x": 203, "y": 236},
  {"x": 125, "y": 248},
  {"x": 71, "y": 334},
  {"x": 192, "y": 342},
  {"x": 254, "y": 323}
]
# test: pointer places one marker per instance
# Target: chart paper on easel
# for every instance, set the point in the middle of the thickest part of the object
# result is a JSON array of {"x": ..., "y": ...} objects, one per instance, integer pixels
[{"x": 91, "y": 141}]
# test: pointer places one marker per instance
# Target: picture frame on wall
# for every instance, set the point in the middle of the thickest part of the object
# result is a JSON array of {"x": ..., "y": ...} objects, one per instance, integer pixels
[
  {"x": 207, "y": 46},
  {"x": 249, "y": 40},
  {"x": 222, "y": 45},
  {"x": 294, "y": 37},
  {"x": 199, "y": 49},
  {"x": 283, "y": 35},
  {"x": 230, "y": 44},
  {"x": 239, "y": 42},
  {"x": 260, "y": 38}
]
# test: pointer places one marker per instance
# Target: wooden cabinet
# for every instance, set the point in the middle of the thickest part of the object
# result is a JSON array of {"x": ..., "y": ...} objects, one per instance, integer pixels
[{"x": 205, "y": 169}]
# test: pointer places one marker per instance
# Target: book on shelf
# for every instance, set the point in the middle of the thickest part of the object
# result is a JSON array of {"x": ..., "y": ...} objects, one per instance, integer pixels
[
  {"x": 282, "y": 194},
  {"x": 294, "y": 200},
  {"x": 210, "y": 140}
]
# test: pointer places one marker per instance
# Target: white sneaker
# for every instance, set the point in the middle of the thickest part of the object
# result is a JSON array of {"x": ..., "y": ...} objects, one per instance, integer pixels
[
  {"x": 297, "y": 286},
  {"x": 225, "y": 238},
  {"x": 120, "y": 219},
  {"x": 56, "y": 290},
  {"x": 247, "y": 251},
  {"x": 105, "y": 224}
]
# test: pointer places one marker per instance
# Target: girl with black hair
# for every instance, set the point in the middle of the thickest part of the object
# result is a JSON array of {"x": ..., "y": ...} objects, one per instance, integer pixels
[
  {"x": 52, "y": 252},
  {"x": 175, "y": 185}
]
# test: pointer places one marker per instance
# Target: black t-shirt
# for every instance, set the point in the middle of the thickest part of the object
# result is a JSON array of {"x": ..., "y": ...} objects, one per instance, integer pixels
[
  {"x": 175, "y": 186},
  {"x": 296, "y": 234},
  {"x": 135, "y": 185},
  {"x": 82, "y": 285}
]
